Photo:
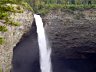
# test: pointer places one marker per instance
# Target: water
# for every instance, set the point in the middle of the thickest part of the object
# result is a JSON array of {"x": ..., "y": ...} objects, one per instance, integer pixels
[
  {"x": 44, "y": 48},
  {"x": 26, "y": 58}
]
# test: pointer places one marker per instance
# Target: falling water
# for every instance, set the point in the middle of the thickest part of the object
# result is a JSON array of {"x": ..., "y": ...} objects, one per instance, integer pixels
[{"x": 44, "y": 48}]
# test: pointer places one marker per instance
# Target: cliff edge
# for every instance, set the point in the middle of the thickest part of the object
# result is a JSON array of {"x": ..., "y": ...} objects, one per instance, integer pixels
[
  {"x": 71, "y": 33},
  {"x": 14, "y": 24}
]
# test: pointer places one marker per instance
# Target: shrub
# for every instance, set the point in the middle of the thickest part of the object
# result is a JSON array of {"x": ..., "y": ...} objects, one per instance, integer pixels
[
  {"x": 3, "y": 28},
  {"x": 14, "y": 23},
  {"x": 43, "y": 11},
  {"x": 0, "y": 70},
  {"x": 10, "y": 1},
  {"x": 11, "y": 22},
  {"x": 11, "y": 8},
  {"x": 3, "y": 15},
  {"x": 27, "y": 6},
  {"x": 6, "y": 1},
  {"x": 72, "y": 7},
  {"x": 2, "y": 40}
]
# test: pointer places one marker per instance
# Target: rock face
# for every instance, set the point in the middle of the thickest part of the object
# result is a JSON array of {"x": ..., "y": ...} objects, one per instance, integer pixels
[
  {"x": 72, "y": 34},
  {"x": 12, "y": 37}
]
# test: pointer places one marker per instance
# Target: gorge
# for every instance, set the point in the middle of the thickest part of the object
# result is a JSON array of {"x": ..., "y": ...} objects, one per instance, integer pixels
[
  {"x": 71, "y": 34},
  {"x": 72, "y": 40}
]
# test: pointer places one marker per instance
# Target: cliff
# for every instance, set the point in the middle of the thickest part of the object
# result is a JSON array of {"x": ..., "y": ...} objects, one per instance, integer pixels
[
  {"x": 16, "y": 25},
  {"x": 71, "y": 33}
]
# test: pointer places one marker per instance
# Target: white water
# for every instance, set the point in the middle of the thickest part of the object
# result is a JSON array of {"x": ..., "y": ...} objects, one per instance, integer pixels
[{"x": 44, "y": 48}]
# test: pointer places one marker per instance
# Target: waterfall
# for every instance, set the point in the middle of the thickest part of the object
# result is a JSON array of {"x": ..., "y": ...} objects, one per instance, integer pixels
[{"x": 44, "y": 48}]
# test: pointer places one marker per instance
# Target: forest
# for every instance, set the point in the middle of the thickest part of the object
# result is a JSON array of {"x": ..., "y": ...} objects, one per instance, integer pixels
[
  {"x": 44, "y": 6},
  {"x": 35, "y": 3}
]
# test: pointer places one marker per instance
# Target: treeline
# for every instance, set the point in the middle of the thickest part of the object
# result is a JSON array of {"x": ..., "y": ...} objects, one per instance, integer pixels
[
  {"x": 62, "y": 1},
  {"x": 39, "y": 3},
  {"x": 43, "y": 6},
  {"x": 36, "y": 2}
]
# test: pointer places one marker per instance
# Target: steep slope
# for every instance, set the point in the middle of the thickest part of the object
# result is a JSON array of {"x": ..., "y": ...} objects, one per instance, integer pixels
[
  {"x": 17, "y": 23},
  {"x": 71, "y": 33}
]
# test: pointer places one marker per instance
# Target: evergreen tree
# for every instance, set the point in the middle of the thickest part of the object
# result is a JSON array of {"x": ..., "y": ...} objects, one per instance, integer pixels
[
  {"x": 78, "y": 2},
  {"x": 65, "y": 2}
]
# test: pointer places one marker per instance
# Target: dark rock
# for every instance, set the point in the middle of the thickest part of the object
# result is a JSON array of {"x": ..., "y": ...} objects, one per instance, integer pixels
[{"x": 71, "y": 37}]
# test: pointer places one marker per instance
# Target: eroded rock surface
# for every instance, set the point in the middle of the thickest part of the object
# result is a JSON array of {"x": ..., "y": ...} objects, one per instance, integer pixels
[
  {"x": 13, "y": 35},
  {"x": 72, "y": 34}
]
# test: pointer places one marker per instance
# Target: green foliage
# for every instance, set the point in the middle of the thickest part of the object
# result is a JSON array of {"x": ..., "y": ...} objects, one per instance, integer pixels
[
  {"x": 6, "y": 1},
  {"x": 3, "y": 15},
  {"x": 11, "y": 22},
  {"x": 43, "y": 11},
  {"x": 10, "y": 5},
  {"x": 72, "y": 7},
  {"x": 78, "y": 2},
  {"x": 2, "y": 40},
  {"x": 54, "y": 6},
  {"x": 11, "y": 8},
  {"x": 11, "y": 1},
  {"x": 43, "y": 6},
  {"x": 3, "y": 28},
  {"x": 14, "y": 23},
  {"x": 7, "y": 6},
  {"x": 0, "y": 70},
  {"x": 27, "y": 6}
]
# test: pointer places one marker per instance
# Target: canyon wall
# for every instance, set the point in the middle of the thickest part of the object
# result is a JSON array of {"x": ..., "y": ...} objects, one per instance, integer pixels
[{"x": 72, "y": 34}]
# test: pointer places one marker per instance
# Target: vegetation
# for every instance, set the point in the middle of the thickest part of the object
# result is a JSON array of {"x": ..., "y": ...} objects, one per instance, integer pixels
[
  {"x": 3, "y": 15},
  {"x": 44, "y": 6},
  {"x": 3, "y": 28},
  {"x": 10, "y": 22},
  {"x": 48, "y": 7},
  {"x": 27, "y": 6},
  {"x": 8, "y": 6},
  {"x": 1, "y": 40},
  {"x": 38, "y": 6},
  {"x": 0, "y": 70}
]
